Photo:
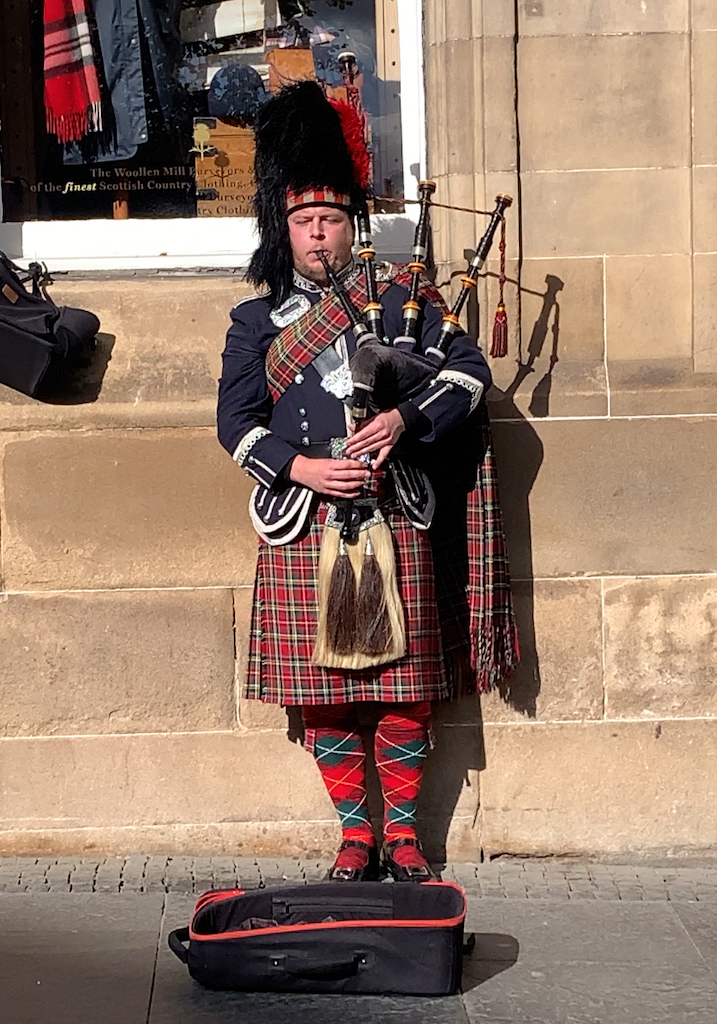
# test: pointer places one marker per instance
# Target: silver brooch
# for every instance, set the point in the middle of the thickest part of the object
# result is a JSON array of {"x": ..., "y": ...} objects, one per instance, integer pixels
[
  {"x": 339, "y": 382},
  {"x": 289, "y": 311}
]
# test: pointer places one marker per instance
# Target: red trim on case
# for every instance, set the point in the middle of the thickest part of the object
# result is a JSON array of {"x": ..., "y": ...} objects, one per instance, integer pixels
[
  {"x": 215, "y": 896},
  {"x": 445, "y": 922}
]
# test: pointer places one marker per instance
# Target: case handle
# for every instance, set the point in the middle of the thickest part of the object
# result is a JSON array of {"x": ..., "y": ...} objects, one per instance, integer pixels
[
  {"x": 321, "y": 968},
  {"x": 176, "y": 940}
]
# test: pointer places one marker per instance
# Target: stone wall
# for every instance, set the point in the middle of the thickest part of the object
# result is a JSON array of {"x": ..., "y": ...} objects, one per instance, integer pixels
[
  {"x": 127, "y": 555},
  {"x": 599, "y": 119}
]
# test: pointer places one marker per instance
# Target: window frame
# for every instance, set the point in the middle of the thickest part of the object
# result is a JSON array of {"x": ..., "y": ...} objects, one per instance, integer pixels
[{"x": 224, "y": 242}]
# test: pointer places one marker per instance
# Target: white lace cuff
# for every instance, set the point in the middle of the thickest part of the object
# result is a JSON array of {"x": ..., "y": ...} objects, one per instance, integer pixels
[
  {"x": 464, "y": 380},
  {"x": 247, "y": 443}
]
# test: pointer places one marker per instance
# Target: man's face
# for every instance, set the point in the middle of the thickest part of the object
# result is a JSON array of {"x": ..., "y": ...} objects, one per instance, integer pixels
[{"x": 320, "y": 227}]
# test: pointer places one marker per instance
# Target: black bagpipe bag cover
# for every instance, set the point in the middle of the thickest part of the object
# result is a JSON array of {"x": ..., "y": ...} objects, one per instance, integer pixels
[{"x": 372, "y": 937}]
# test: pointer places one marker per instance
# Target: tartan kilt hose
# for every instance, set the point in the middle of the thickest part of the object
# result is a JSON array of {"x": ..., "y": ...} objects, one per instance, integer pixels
[{"x": 285, "y": 617}]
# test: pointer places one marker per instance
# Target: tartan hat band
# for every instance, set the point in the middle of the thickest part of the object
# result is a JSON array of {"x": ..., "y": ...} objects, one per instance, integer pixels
[{"x": 317, "y": 197}]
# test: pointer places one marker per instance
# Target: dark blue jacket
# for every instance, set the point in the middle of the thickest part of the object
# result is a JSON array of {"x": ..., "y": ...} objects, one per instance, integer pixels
[
  {"x": 263, "y": 436},
  {"x": 127, "y": 30}
]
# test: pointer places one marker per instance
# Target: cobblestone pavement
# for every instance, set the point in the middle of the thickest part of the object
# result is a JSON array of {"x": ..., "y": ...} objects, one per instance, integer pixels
[
  {"x": 501, "y": 878},
  {"x": 85, "y": 941}
]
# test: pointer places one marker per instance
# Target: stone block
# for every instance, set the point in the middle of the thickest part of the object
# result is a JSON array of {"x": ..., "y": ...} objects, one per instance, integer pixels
[
  {"x": 704, "y": 97},
  {"x": 605, "y": 101},
  {"x": 158, "y": 358},
  {"x": 704, "y": 15},
  {"x": 660, "y": 637},
  {"x": 462, "y": 103},
  {"x": 118, "y": 662},
  {"x": 452, "y": 19},
  {"x": 141, "y": 781},
  {"x": 499, "y": 18},
  {"x": 562, "y": 310},
  {"x": 456, "y": 234},
  {"x": 705, "y": 290},
  {"x": 660, "y": 387},
  {"x": 602, "y": 788},
  {"x": 564, "y": 212},
  {"x": 541, "y": 17},
  {"x": 451, "y": 839},
  {"x": 499, "y": 129},
  {"x": 704, "y": 213},
  {"x": 649, "y": 307},
  {"x": 576, "y": 285},
  {"x": 158, "y": 780},
  {"x": 117, "y": 509},
  {"x": 609, "y": 497},
  {"x": 560, "y": 675},
  {"x": 436, "y": 100}
]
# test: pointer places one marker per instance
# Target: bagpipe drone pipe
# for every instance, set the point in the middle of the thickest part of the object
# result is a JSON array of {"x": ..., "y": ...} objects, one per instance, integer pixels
[
  {"x": 385, "y": 372},
  {"x": 361, "y": 620}
]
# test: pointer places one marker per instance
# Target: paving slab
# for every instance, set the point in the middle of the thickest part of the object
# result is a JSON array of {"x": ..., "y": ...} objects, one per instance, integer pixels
[
  {"x": 590, "y": 993},
  {"x": 76, "y": 958},
  {"x": 177, "y": 998},
  {"x": 700, "y": 922},
  {"x": 591, "y": 931}
]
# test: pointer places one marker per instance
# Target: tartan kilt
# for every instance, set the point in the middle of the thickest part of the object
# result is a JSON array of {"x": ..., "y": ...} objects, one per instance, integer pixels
[{"x": 285, "y": 616}]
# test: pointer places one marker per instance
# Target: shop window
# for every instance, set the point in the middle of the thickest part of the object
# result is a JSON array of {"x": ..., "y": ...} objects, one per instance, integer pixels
[{"x": 179, "y": 84}]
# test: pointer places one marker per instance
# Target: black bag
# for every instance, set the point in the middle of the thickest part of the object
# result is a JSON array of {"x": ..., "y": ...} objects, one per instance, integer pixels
[
  {"x": 371, "y": 937},
  {"x": 35, "y": 334}
]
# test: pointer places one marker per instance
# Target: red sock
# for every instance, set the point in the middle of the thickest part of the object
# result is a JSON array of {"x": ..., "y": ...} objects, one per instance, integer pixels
[
  {"x": 332, "y": 734},
  {"x": 402, "y": 746}
]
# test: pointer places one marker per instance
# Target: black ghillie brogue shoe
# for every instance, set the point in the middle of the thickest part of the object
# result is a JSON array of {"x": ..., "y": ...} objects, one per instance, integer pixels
[
  {"x": 416, "y": 870},
  {"x": 367, "y": 873}
]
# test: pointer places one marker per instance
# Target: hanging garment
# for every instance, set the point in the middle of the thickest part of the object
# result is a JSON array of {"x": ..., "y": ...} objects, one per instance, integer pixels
[
  {"x": 72, "y": 91},
  {"x": 140, "y": 49}
]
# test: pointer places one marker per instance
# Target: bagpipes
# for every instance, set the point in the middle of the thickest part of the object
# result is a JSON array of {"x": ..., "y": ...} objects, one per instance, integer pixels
[{"x": 361, "y": 619}]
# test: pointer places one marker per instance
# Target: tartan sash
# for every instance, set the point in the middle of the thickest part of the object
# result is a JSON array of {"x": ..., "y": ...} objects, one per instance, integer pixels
[{"x": 301, "y": 342}]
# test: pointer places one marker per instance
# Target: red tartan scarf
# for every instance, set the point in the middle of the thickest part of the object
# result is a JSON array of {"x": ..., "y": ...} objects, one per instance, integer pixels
[
  {"x": 301, "y": 342},
  {"x": 480, "y": 639},
  {"x": 72, "y": 91}
]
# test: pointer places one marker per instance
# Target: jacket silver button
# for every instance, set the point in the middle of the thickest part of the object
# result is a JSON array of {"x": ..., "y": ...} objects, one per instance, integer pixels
[
  {"x": 305, "y": 441},
  {"x": 299, "y": 378},
  {"x": 304, "y": 425},
  {"x": 302, "y": 412}
]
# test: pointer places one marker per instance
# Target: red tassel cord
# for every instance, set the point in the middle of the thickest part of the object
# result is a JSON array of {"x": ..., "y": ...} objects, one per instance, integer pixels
[{"x": 499, "y": 346}]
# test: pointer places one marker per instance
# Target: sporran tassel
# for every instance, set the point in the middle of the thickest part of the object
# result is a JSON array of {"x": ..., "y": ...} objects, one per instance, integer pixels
[
  {"x": 373, "y": 624},
  {"x": 339, "y": 605},
  {"x": 341, "y": 611},
  {"x": 499, "y": 346}
]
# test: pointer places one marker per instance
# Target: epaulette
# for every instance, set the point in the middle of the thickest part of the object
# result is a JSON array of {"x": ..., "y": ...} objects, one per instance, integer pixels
[{"x": 250, "y": 298}]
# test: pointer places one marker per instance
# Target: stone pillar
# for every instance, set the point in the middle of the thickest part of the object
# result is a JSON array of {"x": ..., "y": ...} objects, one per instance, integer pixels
[{"x": 605, "y": 453}]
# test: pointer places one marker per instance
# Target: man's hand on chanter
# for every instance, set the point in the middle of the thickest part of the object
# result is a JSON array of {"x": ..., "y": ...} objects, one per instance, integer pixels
[
  {"x": 380, "y": 434},
  {"x": 339, "y": 478}
]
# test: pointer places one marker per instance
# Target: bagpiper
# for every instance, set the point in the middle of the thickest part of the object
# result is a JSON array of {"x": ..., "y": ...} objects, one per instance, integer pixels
[{"x": 381, "y": 576}]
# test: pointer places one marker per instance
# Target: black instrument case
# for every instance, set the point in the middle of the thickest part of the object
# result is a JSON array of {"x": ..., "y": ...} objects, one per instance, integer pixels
[{"x": 368, "y": 937}]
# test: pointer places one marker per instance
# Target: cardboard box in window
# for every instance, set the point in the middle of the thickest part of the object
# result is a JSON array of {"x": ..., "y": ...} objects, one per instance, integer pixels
[{"x": 224, "y": 164}]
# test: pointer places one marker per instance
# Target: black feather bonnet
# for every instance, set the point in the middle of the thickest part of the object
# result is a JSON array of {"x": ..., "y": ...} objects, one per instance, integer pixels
[{"x": 304, "y": 142}]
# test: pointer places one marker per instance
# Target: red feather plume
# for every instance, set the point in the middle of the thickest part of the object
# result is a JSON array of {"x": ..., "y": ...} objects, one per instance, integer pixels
[{"x": 352, "y": 127}]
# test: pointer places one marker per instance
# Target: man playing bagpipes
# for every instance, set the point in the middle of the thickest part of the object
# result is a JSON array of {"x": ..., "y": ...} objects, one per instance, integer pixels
[{"x": 381, "y": 571}]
